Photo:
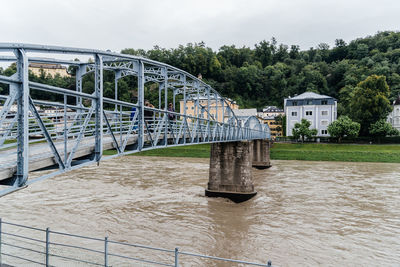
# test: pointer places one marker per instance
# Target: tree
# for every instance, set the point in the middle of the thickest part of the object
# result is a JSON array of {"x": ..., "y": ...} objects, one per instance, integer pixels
[
  {"x": 370, "y": 102},
  {"x": 346, "y": 94},
  {"x": 382, "y": 128},
  {"x": 281, "y": 122},
  {"x": 343, "y": 127},
  {"x": 302, "y": 130}
]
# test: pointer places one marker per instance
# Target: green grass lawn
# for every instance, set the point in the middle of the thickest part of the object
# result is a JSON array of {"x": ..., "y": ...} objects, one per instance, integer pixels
[
  {"x": 337, "y": 152},
  {"x": 315, "y": 152}
]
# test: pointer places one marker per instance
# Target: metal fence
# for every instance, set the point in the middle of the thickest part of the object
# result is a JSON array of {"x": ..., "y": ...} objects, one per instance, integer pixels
[{"x": 24, "y": 245}]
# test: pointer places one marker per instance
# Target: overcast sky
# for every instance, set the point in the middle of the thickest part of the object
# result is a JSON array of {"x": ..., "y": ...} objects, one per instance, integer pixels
[{"x": 118, "y": 24}]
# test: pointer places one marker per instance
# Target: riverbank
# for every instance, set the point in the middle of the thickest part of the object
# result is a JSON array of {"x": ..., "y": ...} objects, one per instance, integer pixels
[
  {"x": 284, "y": 151},
  {"x": 336, "y": 152}
]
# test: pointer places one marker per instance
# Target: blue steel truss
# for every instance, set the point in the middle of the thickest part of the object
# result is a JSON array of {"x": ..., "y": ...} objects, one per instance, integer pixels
[{"x": 73, "y": 128}]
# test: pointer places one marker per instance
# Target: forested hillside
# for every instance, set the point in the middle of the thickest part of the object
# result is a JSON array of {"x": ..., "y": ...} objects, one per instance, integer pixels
[{"x": 268, "y": 72}]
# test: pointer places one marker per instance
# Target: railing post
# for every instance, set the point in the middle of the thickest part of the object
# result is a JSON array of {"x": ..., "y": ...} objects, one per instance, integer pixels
[
  {"x": 176, "y": 257},
  {"x": 166, "y": 107},
  {"x": 106, "y": 251},
  {"x": 65, "y": 132},
  {"x": 184, "y": 110},
  {"x": 47, "y": 245},
  {"x": 99, "y": 107},
  {"x": 23, "y": 121},
  {"x": 141, "y": 105},
  {"x": 0, "y": 240}
]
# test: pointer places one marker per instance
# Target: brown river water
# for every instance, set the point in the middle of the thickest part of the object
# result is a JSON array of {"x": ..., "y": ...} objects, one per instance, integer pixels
[{"x": 305, "y": 213}]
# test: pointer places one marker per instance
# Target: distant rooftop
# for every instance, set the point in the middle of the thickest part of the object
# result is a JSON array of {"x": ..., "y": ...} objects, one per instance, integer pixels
[
  {"x": 212, "y": 98},
  {"x": 272, "y": 109},
  {"x": 309, "y": 95},
  {"x": 246, "y": 112},
  {"x": 46, "y": 66}
]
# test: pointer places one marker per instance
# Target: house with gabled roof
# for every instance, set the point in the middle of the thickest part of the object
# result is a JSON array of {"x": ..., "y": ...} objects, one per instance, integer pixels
[{"x": 320, "y": 110}]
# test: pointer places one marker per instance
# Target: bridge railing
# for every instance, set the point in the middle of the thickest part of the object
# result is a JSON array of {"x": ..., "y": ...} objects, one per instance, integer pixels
[{"x": 21, "y": 245}]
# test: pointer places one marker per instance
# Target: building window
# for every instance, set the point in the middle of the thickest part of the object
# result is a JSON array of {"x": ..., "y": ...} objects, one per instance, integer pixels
[
  {"x": 308, "y": 102},
  {"x": 294, "y": 113},
  {"x": 324, "y": 122},
  {"x": 294, "y": 103},
  {"x": 324, "y": 113},
  {"x": 324, "y": 131},
  {"x": 308, "y": 113},
  {"x": 324, "y": 102}
]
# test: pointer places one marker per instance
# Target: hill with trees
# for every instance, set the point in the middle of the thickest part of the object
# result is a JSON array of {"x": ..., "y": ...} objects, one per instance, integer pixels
[{"x": 268, "y": 72}]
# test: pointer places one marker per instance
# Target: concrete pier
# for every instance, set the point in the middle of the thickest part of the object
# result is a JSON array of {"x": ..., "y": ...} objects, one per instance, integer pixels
[
  {"x": 261, "y": 154},
  {"x": 230, "y": 171}
]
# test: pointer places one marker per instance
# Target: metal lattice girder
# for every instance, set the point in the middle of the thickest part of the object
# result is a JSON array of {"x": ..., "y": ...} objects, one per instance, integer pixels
[
  {"x": 131, "y": 126},
  {"x": 9, "y": 101},
  {"x": 80, "y": 136},
  {"x": 111, "y": 132},
  {"x": 47, "y": 135},
  {"x": 127, "y": 68},
  {"x": 83, "y": 124}
]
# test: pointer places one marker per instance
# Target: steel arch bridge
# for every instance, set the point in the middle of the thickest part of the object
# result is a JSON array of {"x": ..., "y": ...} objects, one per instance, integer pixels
[{"x": 44, "y": 126}]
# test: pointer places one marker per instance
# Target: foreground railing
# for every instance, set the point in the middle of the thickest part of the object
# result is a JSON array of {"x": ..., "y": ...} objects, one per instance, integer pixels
[{"x": 21, "y": 245}]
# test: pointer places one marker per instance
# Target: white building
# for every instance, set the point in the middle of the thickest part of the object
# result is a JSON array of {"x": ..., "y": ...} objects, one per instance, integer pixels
[
  {"x": 320, "y": 110},
  {"x": 394, "y": 116}
]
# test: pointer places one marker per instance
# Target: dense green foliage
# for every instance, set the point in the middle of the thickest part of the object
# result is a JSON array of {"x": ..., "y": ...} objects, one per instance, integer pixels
[
  {"x": 269, "y": 72},
  {"x": 382, "y": 128},
  {"x": 370, "y": 102},
  {"x": 302, "y": 130},
  {"x": 343, "y": 127}
]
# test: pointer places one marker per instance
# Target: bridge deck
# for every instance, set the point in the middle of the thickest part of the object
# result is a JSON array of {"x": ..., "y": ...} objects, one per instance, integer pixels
[{"x": 41, "y": 156}]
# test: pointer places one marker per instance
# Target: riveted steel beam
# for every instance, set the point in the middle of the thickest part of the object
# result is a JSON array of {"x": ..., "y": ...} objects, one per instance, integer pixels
[
  {"x": 98, "y": 92},
  {"x": 22, "y": 114}
]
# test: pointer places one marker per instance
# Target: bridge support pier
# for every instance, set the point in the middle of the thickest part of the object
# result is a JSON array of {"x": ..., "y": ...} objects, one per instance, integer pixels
[
  {"x": 261, "y": 158},
  {"x": 230, "y": 171}
]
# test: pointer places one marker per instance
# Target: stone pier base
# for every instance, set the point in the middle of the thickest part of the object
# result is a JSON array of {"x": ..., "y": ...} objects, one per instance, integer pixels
[
  {"x": 230, "y": 171},
  {"x": 261, "y": 159}
]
